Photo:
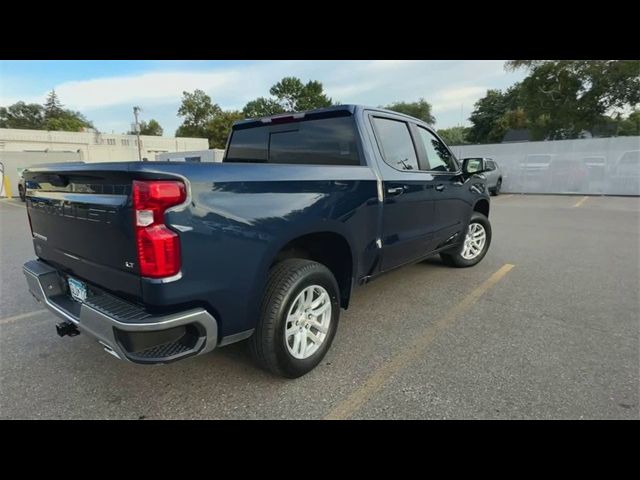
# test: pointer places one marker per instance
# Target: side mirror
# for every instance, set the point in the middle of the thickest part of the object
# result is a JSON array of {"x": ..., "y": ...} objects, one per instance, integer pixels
[{"x": 471, "y": 166}]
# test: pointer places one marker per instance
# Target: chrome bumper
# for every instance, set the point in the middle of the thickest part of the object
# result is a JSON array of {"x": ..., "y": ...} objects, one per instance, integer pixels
[{"x": 125, "y": 330}]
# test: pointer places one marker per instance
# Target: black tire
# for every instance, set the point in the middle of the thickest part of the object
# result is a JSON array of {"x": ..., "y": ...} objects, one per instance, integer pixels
[
  {"x": 286, "y": 280},
  {"x": 455, "y": 258},
  {"x": 495, "y": 191},
  {"x": 21, "y": 193}
]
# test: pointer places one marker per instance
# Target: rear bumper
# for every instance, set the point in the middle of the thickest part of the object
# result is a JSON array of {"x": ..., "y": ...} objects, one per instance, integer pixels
[{"x": 125, "y": 330}]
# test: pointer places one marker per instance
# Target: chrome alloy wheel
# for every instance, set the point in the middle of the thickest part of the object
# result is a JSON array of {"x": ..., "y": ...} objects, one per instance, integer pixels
[
  {"x": 474, "y": 241},
  {"x": 308, "y": 322}
]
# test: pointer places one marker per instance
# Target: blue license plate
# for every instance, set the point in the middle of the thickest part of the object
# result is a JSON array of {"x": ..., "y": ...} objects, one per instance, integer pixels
[{"x": 78, "y": 290}]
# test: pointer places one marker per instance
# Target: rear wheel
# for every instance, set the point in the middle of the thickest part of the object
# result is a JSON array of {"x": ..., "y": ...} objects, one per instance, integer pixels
[
  {"x": 298, "y": 319},
  {"x": 475, "y": 245}
]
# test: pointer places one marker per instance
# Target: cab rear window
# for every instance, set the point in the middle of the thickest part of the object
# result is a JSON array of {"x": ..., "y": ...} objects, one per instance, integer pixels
[{"x": 326, "y": 141}]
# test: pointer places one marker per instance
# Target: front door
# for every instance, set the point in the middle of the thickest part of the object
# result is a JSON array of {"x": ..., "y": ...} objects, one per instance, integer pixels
[{"x": 452, "y": 207}]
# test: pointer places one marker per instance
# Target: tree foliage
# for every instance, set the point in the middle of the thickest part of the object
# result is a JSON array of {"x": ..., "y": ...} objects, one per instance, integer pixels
[
  {"x": 494, "y": 114},
  {"x": 22, "y": 115},
  {"x": 52, "y": 106},
  {"x": 151, "y": 128},
  {"x": 205, "y": 119},
  {"x": 219, "y": 127},
  {"x": 262, "y": 107},
  {"x": 454, "y": 135},
  {"x": 288, "y": 95},
  {"x": 629, "y": 125},
  {"x": 50, "y": 116},
  {"x": 197, "y": 109},
  {"x": 420, "y": 109},
  {"x": 560, "y": 99}
]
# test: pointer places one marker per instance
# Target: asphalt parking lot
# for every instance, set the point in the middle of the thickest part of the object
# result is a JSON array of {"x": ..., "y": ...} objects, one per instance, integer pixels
[{"x": 545, "y": 327}]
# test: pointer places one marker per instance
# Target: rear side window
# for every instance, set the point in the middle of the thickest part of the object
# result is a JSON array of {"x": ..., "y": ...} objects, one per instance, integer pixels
[
  {"x": 248, "y": 145},
  {"x": 396, "y": 144},
  {"x": 328, "y": 141}
]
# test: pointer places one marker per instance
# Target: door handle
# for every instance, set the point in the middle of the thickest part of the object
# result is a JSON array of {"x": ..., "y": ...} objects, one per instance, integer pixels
[
  {"x": 395, "y": 190},
  {"x": 440, "y": 187}
]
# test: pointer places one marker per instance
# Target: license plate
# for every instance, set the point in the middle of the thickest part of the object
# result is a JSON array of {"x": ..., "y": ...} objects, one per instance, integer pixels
[{"x": 78, "y": 290}]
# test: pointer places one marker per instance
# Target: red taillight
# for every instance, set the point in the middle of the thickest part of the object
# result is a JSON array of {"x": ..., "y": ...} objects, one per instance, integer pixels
[{"x": 158, "y": 247}]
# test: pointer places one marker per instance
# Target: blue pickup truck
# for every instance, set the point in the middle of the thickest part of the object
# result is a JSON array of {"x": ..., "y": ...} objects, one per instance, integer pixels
[{"x": 160, "y": 261}]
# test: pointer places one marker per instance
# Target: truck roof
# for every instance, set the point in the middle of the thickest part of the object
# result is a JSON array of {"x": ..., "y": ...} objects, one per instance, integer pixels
[{"x": 335, "y": 110}]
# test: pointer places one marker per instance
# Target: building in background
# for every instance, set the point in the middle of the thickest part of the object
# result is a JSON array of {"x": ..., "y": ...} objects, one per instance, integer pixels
[
  {"x": 212, "y": 155},
  {"x": 94, "y": 146},
  {"x": 20, "y": 149}
]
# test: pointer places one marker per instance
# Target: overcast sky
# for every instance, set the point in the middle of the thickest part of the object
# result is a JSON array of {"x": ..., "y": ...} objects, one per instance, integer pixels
[{"x": 105, "y": 91}]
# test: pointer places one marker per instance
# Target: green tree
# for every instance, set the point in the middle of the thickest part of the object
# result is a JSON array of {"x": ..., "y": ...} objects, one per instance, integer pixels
[
  {"x": 262, "y": 107},
  {"x": 22, "y": 115},
  {"x": 563, "y": 98},
  {"x": 52, "y": 106},
  {"x": 151, "y": 128},
  {"x": 454, "y": 135},
  {"x": 494, "y": 114},
  {"x": 219, "y": 127},
  {"x": 630, "y": 125},
  {"x": 420, "y": 109},
  {"x": 198, "y": 110},
  {"x": 291, "y": 95}
]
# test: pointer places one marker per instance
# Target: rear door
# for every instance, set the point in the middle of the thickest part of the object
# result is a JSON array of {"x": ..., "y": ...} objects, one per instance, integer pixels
[{"x": 408, "y": 216}]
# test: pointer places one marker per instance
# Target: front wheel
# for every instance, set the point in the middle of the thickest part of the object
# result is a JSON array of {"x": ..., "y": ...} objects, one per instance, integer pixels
[
  {"x": 476, "y": 243},
  {"x": 298, "y": 319},
  {"x": 496, "y": 190}
]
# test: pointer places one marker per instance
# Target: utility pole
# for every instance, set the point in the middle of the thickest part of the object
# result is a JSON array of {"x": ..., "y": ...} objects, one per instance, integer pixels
[{"x": 137, "y": 128}]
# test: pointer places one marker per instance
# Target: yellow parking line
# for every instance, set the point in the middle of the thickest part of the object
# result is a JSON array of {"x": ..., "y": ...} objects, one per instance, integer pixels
[
  {"x": 580, "y": 202},
  {"x": 376, "y": 382},
  {"x": 4, "y": 321}
]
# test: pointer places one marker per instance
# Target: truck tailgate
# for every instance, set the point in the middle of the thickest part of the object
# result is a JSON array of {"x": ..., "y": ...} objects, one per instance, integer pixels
[{"x": 82, "y": 223}]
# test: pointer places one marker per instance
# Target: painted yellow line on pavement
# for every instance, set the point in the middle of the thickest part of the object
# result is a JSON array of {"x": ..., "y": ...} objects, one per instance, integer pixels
[
  {"x": 580, "y": 202},
  {"x": 376, "y": 382},
  {"x": 20, "y": 316}
]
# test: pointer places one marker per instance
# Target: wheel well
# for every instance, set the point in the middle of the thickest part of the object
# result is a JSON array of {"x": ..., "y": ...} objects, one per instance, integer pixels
[
  {"x": 328, "y": 248},
  {"x": 482, "y": 206}
]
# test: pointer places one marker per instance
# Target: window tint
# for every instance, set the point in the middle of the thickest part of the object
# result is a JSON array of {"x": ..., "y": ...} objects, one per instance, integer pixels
[
  {"x": 396, "y": 144},
  {"x": 438, "y": 156},
  {"x": 329, "y": 141},
  {"x": 248, "y": 145}
]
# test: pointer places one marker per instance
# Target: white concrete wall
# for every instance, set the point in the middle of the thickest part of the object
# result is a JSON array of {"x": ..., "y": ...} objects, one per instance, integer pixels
[
  {"x": 95, "y": 147},
  {"x": 23, "y": 148},
  {"x": 14, "y": 162},
  {"x": 211, "y": 155},
  {"x": 587, "y": 166}
]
